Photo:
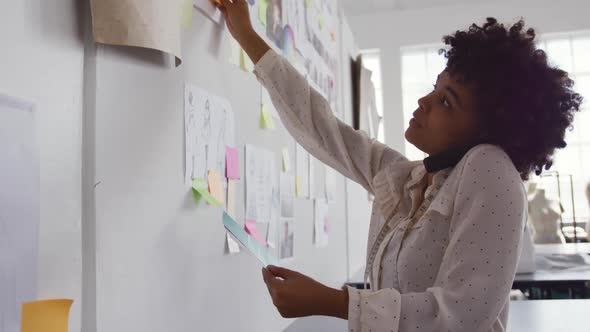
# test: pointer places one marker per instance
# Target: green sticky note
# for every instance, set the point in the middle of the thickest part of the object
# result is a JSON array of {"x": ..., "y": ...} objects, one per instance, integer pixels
[
  {"x": 321, "y": 22},
  {"x": 262, "y": 8},
  {"x": 307, "y": 3},
  {"x": 186, "y": 13},
  {"x": 249, "y": 242},
  {"x": 200, "y": 187},
  {"x": 266, "y": 119}
]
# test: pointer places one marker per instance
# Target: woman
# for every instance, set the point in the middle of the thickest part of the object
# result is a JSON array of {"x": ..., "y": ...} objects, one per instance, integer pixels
[{"x": 445, "y": 233}]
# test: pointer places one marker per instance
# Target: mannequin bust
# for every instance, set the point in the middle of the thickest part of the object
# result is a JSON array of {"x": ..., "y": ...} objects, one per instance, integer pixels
[{"x": 544, "y": 213}]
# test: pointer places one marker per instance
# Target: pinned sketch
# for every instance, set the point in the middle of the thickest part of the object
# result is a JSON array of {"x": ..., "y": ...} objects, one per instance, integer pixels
[
  {"x": 286, "y": 238},
  {"x": 209, "y": 129},
  {"x": 19, "y": 210},
  {"x": 302, "y": 171},
  {"x": 321, "y": 223},
  {"x": 271, "y": 234},
  {"x": 306, "y": 32},
  {"x": 312, "y": 162},
  {"x": 331, "y": 177},
  {"x": 287, "y": 195},
  {"x": 262, "y": 192},
  {"x": 150, "y": 24}
]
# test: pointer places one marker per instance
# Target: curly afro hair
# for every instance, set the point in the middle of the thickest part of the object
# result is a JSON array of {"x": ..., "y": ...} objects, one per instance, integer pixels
[{"x": 524, "y": 104}]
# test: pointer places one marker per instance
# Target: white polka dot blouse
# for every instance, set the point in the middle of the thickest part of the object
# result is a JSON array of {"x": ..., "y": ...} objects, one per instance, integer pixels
[{"x": 437, "y": 260}]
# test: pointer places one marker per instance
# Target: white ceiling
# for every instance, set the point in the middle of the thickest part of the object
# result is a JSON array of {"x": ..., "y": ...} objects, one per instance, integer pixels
[{"x": 359, "y": 7}]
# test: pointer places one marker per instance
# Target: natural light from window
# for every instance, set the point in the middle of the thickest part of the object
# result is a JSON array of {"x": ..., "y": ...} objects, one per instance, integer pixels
[{"x": 571, "y": 52}]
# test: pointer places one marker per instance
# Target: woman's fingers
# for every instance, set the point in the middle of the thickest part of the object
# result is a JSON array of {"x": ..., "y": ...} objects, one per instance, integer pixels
[
  {"x": 282, "y": 272},
  {"x": 269, "y": 279},
  {"x": 224, "y": 3}
]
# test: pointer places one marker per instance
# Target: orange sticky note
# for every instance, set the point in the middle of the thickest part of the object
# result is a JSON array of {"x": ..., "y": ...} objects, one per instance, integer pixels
[
  {"x": 46, "y": 316},
  {"x": 215, "y": 186}
]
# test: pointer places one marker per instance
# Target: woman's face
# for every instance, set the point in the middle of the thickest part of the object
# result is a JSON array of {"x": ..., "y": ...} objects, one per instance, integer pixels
[{"x": 445, "y": 117}]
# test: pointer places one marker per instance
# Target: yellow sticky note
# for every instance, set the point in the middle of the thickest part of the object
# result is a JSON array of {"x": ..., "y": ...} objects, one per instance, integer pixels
[
  {"x": 186, "y": 13},
  {"x": 321, "y": 21},
  {"x": 245, "y": 62},
  {"x": 266, "y": 119},
  {"x": 297, "y": 186},
  {"x": 46, "y": 315},
  {"x": 262, "y": 8},
  {"x": 200, "y": 188},
  {"x": 286, "y": 160},
  {"x": 243, "y": 57},
  {"x": 215, "y": 186},
  {"x": 307, "y": 3}
]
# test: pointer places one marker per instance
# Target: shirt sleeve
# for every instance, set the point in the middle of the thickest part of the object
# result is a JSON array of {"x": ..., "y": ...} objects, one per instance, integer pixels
[
  {"x": 309, "y": 119},
  {"x": 478, "y": 267}
]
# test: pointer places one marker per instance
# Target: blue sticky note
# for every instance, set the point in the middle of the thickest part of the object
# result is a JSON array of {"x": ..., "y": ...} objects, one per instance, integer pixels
[{"x": 247, "y": 241}]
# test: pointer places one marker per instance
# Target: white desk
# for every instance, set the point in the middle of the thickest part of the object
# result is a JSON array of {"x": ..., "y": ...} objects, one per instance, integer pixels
[
  {"x": 525, "y": 316},
  {"x": 563, "y": 248},
  {"x": 574, "y": 279},
  {"x": 549, "y": 316}
]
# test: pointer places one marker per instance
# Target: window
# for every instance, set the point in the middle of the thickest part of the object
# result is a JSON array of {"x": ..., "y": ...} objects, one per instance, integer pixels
[
  {"x": 372, "y": 61},
  {"x": 419, "y": 66},
  {"x": 571, "y": 52}
]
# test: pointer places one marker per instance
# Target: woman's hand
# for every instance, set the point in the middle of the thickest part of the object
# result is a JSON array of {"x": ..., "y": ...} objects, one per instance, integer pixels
[
  {"x": 296, "y": 295},
  {"x": 237, "y": 18}
]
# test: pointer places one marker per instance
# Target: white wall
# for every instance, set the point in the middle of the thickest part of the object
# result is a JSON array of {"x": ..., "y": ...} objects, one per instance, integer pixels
[
  {"x": 358, "y": 209},
  {"x": 42, "y": 61},
  {"x": 160, "y": 261},
  {"x": 88, "y": 99},
  {"x": 389, "y": 30}
]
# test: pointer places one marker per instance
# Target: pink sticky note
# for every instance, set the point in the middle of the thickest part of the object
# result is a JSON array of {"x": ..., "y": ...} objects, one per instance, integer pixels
[
  {"x": 250, "y": 228},
  {"x": 232, "y": 163},
  {"x": 327, "y": 226}
]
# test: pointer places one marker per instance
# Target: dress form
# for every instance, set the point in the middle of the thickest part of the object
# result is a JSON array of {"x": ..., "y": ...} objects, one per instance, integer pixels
[{"x": 544, "y": 214}]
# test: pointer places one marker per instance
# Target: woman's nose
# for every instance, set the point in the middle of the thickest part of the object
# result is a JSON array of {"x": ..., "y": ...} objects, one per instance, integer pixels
[{"x": 422, "y": 103}]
